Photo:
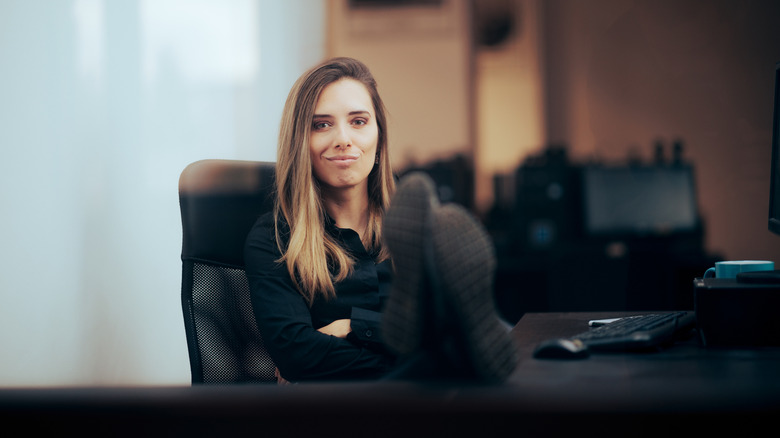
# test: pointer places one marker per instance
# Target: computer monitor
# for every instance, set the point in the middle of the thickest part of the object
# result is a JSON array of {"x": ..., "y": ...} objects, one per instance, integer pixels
[
  {"x": 636, "y": 201},
  {"x": 771, "y": 277},
  {"x": 774, "y": 187}
]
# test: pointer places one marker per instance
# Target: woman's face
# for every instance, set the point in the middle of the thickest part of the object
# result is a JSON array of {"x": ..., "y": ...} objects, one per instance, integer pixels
[{"x": 344, "y": 135}]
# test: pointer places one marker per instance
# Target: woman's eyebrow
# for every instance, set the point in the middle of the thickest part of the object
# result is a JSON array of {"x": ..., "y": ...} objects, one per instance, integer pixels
[{"x": 351, "y": 113}]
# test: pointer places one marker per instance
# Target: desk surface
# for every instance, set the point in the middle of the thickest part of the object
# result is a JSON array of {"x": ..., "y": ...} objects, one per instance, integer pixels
[
  {"x": 723, "y": 388},
  {"x": 683, "y": 378}
]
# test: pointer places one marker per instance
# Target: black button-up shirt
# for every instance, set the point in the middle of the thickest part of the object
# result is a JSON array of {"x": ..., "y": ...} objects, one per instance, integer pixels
[{"x": 289, "y": 326}]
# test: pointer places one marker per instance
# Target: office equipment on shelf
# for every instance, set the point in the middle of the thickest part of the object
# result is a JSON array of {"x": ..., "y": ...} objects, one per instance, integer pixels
[
  {"x": 639, "y": 200},
  {"x": 597, "y": 235},
  {"x": 632, "y": 333}
]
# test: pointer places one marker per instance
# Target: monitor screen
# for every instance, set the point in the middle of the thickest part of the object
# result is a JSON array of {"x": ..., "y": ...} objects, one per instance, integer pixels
[
  {"x": 774, "y": 187},
  {"x": 637, "y": 201}
]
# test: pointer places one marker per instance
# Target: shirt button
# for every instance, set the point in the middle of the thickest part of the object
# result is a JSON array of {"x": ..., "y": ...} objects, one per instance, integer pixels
[{"x": 369, "y": 333}]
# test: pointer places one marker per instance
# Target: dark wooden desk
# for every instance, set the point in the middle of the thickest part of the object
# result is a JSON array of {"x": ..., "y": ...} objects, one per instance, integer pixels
[
  {"x": 683, "y": 378},
  {"x": 677, "y": 389}
]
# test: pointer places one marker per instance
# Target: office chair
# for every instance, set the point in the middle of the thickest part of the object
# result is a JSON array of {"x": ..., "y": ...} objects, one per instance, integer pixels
[{"x": 220, "y": 201}]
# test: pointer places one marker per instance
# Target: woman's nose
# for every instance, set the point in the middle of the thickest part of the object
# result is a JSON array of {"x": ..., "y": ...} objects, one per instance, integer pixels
[{"x": 342, "y": 137}]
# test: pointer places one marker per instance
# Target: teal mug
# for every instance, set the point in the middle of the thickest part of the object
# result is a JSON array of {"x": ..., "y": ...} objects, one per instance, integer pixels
[{"x": 730, "y": 269}]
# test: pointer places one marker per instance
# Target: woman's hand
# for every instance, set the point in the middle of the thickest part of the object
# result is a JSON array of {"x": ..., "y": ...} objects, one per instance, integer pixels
[{"x": 339, "y": 328}]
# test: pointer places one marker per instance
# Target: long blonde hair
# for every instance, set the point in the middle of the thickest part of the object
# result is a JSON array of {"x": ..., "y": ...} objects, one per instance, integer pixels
[{"x": 313, "y": 258}]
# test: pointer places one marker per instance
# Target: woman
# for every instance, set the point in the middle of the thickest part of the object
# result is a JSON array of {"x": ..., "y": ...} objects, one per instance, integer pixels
[{"x": 318, "y": 273}]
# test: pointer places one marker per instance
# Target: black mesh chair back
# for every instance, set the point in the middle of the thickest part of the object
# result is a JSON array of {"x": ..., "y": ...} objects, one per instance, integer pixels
[{"x": 220, "y": 201}]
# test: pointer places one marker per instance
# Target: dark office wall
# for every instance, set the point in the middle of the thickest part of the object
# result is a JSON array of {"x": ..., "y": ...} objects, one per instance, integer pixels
[{"x": 621, "y": 74}]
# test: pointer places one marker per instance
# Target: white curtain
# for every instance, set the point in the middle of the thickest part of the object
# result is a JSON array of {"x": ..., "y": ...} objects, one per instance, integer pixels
[{"x": 102, "y": 104}]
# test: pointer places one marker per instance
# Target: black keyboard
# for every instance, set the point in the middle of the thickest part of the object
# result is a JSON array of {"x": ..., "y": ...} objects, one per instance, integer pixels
[{"x": 638, "y": 332}]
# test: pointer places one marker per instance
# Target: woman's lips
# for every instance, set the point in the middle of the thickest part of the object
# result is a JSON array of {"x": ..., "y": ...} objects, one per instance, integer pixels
[{"x": 343, "y": 158}]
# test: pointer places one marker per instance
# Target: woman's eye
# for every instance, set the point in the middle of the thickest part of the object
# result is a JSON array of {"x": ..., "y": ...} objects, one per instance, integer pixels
[
  {"x": 320, "y": 125},
  {"x": 359, "y": 122}
]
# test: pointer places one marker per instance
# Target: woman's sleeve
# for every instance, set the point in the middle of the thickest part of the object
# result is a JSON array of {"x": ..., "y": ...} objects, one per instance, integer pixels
[
  {"x": 284, "y": 320},
  {"x": 365, "y": 326}
]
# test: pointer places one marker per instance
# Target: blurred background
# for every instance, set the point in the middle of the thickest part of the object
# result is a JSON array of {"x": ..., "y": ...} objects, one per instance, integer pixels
[{"x": 532, "y": 113}]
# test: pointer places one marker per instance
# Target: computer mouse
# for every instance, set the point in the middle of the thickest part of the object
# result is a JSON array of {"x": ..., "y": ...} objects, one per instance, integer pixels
[{"x": 561, "y": 348}]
